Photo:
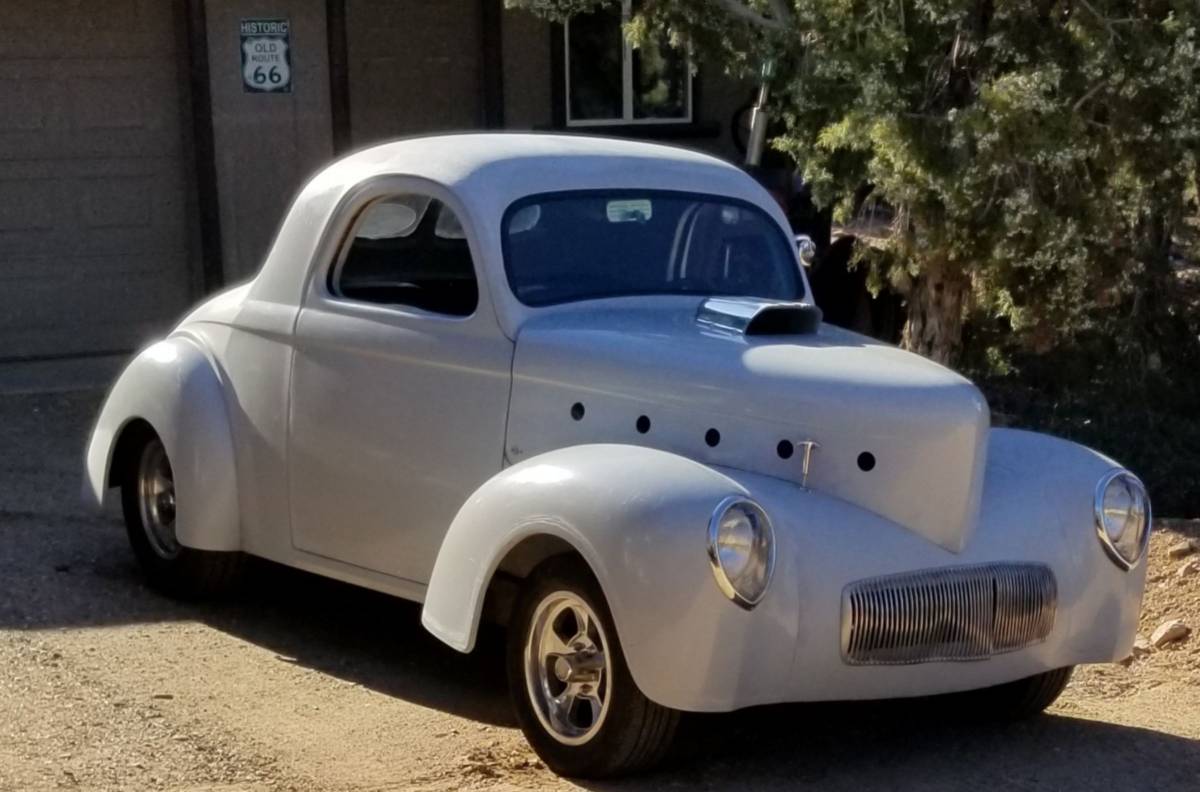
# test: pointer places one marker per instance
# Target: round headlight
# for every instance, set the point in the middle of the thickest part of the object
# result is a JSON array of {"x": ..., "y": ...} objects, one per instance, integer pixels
[
  {"x": 1122, "y": 517},
  {"x": 741, "y": 549}
]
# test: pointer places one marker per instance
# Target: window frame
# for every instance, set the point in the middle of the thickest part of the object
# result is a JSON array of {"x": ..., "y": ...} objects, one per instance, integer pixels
[
  {"x": 627, "y": 118},
  {"x": 328, "y": 285}
]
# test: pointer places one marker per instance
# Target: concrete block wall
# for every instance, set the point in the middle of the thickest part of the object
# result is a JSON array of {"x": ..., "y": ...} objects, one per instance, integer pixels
[{"x": 267, "y": 144}]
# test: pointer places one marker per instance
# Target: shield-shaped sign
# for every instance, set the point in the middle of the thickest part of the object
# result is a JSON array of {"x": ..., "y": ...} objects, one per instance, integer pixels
[{"x": 266, "y": 64}]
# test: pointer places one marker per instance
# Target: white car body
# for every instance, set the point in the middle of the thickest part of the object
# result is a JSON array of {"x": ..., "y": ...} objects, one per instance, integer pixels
[{"x": 419, "y": 455}]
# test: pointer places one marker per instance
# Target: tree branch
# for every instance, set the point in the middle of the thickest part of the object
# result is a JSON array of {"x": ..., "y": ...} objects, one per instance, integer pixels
[
  {"x": 991, "y": 198},
  {"x": 1108, "y": 23},
  {"x": 1083, "y": 99}
]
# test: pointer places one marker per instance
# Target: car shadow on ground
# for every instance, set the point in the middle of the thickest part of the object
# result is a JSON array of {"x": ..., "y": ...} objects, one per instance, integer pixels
[
  {"x": 855, "y": 746},
  {"x": 378, "y": 642},
  {"x": 911, "y": 744},
  {"x": 83, "y": 575},
  {"x": 368, "y": 638}
]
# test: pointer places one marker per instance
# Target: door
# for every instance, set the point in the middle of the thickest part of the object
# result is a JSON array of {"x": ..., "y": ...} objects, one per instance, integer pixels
[
  {"x": 94, "y": 195},
  {"x": 399, "y": 394}
]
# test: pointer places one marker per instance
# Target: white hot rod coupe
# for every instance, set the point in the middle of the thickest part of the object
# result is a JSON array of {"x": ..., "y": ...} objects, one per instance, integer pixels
[{"x": 583, "y": 381}]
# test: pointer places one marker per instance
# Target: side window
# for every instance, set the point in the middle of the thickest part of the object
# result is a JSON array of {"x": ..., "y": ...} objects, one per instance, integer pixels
[{"x": 409, "y": 250}]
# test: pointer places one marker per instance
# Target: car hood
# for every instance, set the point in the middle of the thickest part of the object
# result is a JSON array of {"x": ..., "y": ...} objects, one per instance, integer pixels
[{"x": 897, "y": 434}]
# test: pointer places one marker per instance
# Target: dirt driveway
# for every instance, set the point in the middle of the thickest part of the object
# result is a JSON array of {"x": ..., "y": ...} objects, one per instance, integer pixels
[{"x": 309, "y": 685}]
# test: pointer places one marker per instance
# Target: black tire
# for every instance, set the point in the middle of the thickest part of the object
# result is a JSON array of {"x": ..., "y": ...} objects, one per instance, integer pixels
[
  {"x": 186, "y": 574},
  {"x": 635, "y": 733},
  {"x": 1017, "y": 700}
]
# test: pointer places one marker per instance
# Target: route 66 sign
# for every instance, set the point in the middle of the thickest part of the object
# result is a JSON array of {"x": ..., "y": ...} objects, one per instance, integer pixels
[{"x": 266, "y": 56}]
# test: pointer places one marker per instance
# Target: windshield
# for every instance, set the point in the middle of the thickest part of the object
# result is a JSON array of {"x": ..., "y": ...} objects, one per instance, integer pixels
[{"x": 561, "y": 247}]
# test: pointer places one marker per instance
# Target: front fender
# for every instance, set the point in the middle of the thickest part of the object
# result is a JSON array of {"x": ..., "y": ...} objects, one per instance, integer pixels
[
  {"x": 174, "y": 386},
  {"x": 638, "y": 516}
]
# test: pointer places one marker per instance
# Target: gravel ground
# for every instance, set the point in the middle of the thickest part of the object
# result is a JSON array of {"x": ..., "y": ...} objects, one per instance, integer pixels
[{"x": 305, "y": 684}]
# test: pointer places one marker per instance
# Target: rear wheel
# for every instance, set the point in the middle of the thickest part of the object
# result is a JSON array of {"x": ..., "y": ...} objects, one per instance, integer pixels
[
  {"x": 148, "y": 501},
  {"x": 574, "y": 696},
  {"x": 1017, "y": 700}
]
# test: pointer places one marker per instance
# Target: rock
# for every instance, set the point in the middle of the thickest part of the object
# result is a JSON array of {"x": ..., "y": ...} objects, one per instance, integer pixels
[
  {"x": 1169, "y": 632},
  {"x": 1183, "y": 549},
  {"x": 1191, "y": 567},
  {"x": 1141, "y": 648}
]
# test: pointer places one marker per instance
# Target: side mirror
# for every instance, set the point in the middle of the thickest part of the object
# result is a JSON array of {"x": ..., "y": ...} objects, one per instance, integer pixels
[{"x": 807, "y": 249}]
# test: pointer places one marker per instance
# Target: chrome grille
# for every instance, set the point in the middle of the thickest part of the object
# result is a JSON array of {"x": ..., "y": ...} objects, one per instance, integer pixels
[{"x": 953, "y": 613}]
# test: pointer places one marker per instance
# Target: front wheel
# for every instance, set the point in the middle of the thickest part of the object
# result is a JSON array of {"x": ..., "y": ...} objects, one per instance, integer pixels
[
  {"x": 1017, "y": 700},
  {"x": 574, "y": 696},
  {"x": 148, "y": 501}
]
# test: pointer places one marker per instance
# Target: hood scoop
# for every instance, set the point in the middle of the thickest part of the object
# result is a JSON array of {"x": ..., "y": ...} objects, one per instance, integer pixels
[{"x": 753, "y": 317}]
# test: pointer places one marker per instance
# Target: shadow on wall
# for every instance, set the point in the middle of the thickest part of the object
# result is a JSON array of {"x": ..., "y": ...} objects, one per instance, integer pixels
[{"x": 62, "y": 568}]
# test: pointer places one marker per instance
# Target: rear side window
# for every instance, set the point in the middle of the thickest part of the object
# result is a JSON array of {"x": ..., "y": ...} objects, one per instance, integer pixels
[{"x": 409, "y": 250}]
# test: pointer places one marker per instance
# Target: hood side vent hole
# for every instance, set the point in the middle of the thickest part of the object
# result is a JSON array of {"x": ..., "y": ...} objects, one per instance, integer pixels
[
  {"x": 785, "y": 449},
  {"x": 577, "y": 411},
  {"x": 643, "y": 424},
  {"x": 866, "y": 461},
  {"x": 712, "y": 437}
]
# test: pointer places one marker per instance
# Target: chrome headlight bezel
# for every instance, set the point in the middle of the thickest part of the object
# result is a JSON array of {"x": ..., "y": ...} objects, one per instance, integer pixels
[
  {"x": 1121, "y": 477},
  {"x": 766, "y": 537}
]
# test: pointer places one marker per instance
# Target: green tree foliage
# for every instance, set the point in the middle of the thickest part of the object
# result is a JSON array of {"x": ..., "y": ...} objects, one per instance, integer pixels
[
  {"x": 1041, "y": 160},
  {"x": 1036, "y": 154}
]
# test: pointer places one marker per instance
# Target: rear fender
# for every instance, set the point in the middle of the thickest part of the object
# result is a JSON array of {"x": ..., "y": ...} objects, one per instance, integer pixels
[{"x": 177, "y": 389}]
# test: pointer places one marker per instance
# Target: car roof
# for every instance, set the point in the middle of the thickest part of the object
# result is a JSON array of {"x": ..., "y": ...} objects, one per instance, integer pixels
[
  {"x": 486, "y": 173},
  {"x": 455, "y": 158}
]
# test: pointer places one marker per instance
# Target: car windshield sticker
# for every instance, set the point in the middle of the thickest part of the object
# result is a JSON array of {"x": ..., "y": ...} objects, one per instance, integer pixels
[{"x": 635, "y": 210}]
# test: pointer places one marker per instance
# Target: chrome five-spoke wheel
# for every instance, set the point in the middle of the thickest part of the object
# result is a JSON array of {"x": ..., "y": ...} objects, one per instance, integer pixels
[
  {"x": 571, "y": 687},
  {"x": 567, "y": 669},
  {"x": 156, "y": 500}
]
